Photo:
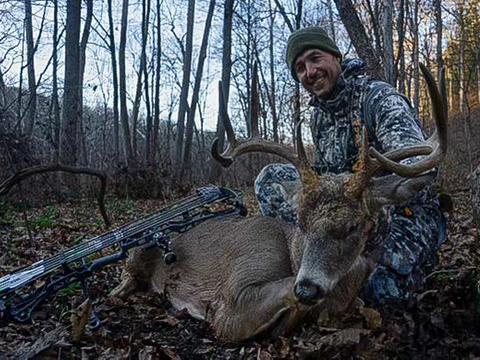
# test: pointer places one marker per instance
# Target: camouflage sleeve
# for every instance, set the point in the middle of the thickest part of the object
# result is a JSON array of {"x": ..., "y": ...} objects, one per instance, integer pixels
[{"x": 395, "y": 122}]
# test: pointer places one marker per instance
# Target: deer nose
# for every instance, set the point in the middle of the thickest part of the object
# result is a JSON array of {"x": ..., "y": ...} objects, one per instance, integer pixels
[{"x": 308, "y": 293}]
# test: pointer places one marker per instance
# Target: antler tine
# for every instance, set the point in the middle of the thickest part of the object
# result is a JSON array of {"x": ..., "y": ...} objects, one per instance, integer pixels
[
  {"x": 302, "y": 155},
  {"x": 435, "y": 147},
  {"x": 224, "y": 159},
  {"x": 254, "y": 143}
]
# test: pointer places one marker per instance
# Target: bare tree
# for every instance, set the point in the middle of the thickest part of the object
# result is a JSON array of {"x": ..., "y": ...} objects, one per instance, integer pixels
[
  {"x": 400, "y": 69},
  {"x": 292, "y": 27},
  {"x": 462, "y": 55},
  {"x": 359, "y": 38},
  {"x": 215, "y": 169},
  {"x": 187, "y": 64},
  {"x": 143, "y": 64},
  {"x": 156, "y": 114},
  {"x": 123, "y": 86},
  {"x": 111, "y": 36},
  {"x": 55, "y": 103},
  {"x": 196, "y": 90},
  {"x": 83, "y": 55},
  {"x": 68, "y": 149},
  {"x": 272, "y": 94},
  {"x": 439, "y": 30},
  {"x": 388, "y": 41},
  {"x": 414, "y": 24},
  {"x": 331, "y": 21},
  {"x": 32, "y": 85}
]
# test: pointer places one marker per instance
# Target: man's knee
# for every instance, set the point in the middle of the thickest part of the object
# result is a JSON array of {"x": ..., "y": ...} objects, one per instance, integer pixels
[
  {"x": 274, "y": 189},
  {"x": 276, "y": 173}
]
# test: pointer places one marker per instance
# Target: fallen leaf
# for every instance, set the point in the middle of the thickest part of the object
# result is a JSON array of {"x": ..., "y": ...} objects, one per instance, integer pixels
[
  {"x": 372, "y": 317},
  {"x": 147, "y": 353},
  {"x": 263, "y": 355},
  {"x": 170, "y": 353},
  {"x": 285, "y": 350},
  {"x": 79, "y": 320},
  {"x": 170, "y": 320}
]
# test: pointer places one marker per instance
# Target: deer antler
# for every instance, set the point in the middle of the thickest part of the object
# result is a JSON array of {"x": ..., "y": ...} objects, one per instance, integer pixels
[
  {"x": 434, "y": 147},
  {"x": 254, "y": 143}
]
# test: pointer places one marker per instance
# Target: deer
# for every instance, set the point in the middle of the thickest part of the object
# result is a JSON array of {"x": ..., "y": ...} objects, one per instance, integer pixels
[{"x": 252, "y": 276}]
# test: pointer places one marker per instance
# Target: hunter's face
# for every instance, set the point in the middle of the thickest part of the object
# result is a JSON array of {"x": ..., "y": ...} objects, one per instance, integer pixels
[{"x": 317, "y": 71}]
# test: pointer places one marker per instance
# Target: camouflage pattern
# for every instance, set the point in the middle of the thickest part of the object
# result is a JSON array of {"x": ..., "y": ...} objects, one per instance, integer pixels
[
  {"x": 416, "y": 229},
  {"x": 475, "y": 193},
  {"x": 275, "y": 188}
]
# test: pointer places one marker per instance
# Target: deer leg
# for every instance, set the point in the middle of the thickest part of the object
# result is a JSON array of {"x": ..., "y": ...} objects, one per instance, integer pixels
[
  {"x": 137, "y": 271},
  {"x": 270, "y": 307}
]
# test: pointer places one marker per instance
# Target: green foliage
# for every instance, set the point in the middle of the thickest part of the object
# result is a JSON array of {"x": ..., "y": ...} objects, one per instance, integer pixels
[
  {"x": 8, "y": 209},
  {"x": 70, "y": 289},
  {"x": 444, "y": 277},
  {"x": 7, "y": 246},
  {"x": 47, "y": 219},
  {"x": 120, "y": 207}
]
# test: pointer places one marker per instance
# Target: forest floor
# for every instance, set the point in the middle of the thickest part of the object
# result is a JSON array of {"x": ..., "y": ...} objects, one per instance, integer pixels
[{"x": 441, "y": 321}]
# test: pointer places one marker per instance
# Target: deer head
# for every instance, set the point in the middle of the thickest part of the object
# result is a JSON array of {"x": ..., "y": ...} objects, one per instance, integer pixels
[{"x": 336, "y": 212}]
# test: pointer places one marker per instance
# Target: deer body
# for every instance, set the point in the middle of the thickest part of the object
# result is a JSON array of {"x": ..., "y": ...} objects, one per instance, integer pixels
[
  {"x": 241, "y": 274},
  {"x": 224, "y": 268}
]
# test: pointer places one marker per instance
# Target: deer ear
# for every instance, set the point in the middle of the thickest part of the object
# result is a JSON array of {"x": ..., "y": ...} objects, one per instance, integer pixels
[{"x": 394, "y": 189}]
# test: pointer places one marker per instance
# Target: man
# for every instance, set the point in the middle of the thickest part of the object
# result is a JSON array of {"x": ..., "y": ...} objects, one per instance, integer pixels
[{"x": 344, "y": 101}]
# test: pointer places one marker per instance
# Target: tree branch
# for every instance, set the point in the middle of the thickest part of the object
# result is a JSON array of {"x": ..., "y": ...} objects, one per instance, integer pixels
[{"x": 6, "y": 186}]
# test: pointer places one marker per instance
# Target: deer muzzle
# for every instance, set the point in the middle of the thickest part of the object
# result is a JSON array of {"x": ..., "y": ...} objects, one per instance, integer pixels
[{"x": 308, "y": 293}]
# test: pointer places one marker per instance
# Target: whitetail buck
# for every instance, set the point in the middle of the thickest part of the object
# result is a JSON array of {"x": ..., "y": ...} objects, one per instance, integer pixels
[{"x": 247, "y": 276}]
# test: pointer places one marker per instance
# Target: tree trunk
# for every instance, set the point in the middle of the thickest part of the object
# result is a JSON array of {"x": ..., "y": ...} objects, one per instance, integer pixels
[
  {"x": 462, "y": 59},
  {"x": 357, "y": 33},
  {"x": 111, "y": 35},
  {"x": 83, "y": 50},
  {"x": 55, "y": 104},
  {"x": 143, "y": 64},
  {"x": 440, "y": 65},
  {"x": 478, "y": 76},
  {"x": 187, "y": 64},
  {"x": 331, "y": 20},
  {"x": 401, "y": 48},
  {"x": 196, "y": 90},
  {"x": 148, "y": 120},
  {"x": 273, "y": 93},
  {"x": 375, "y": 27},
  {"x": 123, "y": 87},
  {"x": 32, "y": 86},
  {"x": 68, "y": 149},
  {"x": 215, "y": 169},
  {"x": 156, "y": 121},
  {"x": 3, "y": 98},
  {"x": 248, "y": 71},
  {"x": 415, "y": 57},
  {"x": 388, "y": 41},
  {"x": 296, "y": 94}
]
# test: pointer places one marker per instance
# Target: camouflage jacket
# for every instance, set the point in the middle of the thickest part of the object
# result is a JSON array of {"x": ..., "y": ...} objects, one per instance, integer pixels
[{"x": 360, "y": 101}]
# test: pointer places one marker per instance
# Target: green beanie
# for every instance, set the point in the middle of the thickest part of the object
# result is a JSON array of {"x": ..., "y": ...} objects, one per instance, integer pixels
[{"x": 308, "y": 38}]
